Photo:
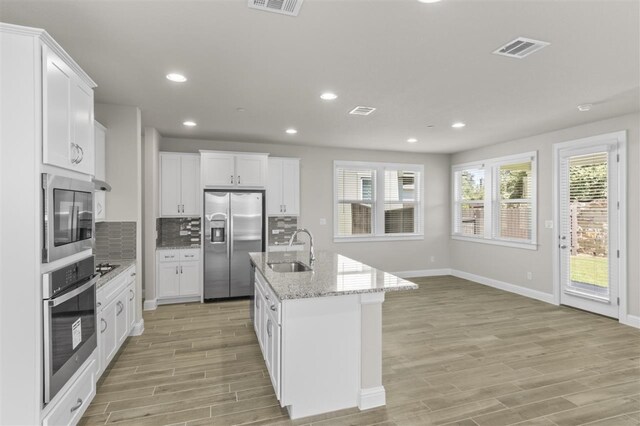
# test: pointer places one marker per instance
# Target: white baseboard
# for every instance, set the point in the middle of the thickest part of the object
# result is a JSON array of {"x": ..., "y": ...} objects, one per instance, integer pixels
[
  {"x": 423, "y": 273},
  {"x": 150, "y": 305},
  {"x": 372, "y": 397},
  {"x": 501, "y": 285},
  {"x": 138, "y": 328},
  {"x": 631, "y": 321},
  {"x": 173, "y": 300}
]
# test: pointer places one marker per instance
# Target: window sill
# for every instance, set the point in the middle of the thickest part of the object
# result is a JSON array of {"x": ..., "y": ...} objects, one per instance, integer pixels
[
  {"x": 514, "y": 244},
  {"x": 373, "y": 238}
]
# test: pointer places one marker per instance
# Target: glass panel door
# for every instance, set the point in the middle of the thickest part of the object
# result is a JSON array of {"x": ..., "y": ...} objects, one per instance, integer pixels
[{"x": 588, "y": 224}]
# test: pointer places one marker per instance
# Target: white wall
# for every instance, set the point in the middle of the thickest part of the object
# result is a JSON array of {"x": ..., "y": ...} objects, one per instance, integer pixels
[
  {"x": 510, "y": 265},
  {"x": 124, "y": 172},
  {"x": 316, "y": 194},
  {"x": 151, "y": 209}
]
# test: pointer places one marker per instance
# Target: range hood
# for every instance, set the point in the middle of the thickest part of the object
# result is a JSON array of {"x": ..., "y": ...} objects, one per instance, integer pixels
[{"x": 101, "y": 185}]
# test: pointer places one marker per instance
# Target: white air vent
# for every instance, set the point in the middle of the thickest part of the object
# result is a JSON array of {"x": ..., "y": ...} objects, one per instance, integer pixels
[
  {"x": 521, "y": 47},
  {"x": 362, "y": 110},
  {"x": 284, "y": 7}
]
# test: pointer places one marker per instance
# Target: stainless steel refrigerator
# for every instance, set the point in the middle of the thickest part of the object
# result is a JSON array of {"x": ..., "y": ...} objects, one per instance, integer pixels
[{"x": 233, "y": 227}]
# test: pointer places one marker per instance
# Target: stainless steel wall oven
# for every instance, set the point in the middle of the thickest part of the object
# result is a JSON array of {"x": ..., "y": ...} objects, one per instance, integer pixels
[
  {"x": 68, "y": 217},
  {"x": 69, "y": 317}
]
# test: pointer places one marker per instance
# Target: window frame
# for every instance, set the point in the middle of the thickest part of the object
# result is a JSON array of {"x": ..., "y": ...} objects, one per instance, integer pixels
[
  {"x": 492, "y": 201},
  {"x": 378, "y": 201}
]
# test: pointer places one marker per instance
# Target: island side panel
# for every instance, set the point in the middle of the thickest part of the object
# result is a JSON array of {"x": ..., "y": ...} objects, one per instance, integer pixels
[
  {"x": 371, "y": 393},
  {"x": 320, "y": 354}
]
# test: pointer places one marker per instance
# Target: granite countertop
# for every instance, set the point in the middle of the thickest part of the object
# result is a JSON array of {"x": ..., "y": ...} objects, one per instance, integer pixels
[
  {"x": 193, "y": 246},
  {"x": 332, "y": 275},
  {"x": 122, "y": 265}
]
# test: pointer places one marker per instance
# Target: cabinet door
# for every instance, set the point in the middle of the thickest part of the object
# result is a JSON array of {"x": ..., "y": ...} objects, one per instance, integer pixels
[
  {"x": 108, "y": 341},
  {"x": 190, "y": 185},
  {"x": 274, "y": 187},
  {"x": 122, "y": 323},
  {"x": 168, "y": 279},
  {"x": 170, "y": 204},
  {"x": 100, "y": 140},
  {"x": 274, "y": 372},
  {"x": 291, "y": 187},
  {"x": 218, "y": 170},
  {"x": 189, "y": 278},
  {"x": 57, "y": 81},
  {"x": 251, "y": 171},
  {"x": 82, "y": 127},
  {"x": 131, "y": 305},
  {"x": 268, "y": 340},
  {"x": 259, "y": 319}
]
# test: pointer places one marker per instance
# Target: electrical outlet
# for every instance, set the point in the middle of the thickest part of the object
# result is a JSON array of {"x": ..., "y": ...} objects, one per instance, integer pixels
[
  {"x": 323, "y": 221},
  {"x": 529, "y": 276}
]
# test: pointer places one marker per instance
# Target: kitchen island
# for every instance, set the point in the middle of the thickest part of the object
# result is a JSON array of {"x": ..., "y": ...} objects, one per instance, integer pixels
[{"x": 320, "y": 330}]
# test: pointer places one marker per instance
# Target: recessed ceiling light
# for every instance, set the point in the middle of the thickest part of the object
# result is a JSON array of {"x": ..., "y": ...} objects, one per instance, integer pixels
[
  {"x": 189, "y": 123},
  {"x": 291, "y": 131},
  {"x": 178, "y": 78},
  {"x": 429, "y": 1},
  {"x": 412, "y": 140},
  {"x": 458, "y": 125},
  {"x": 240, "y": 109},
  {"x": 328, "y": 96},
  {"x": 584, "y": 107},
  {"x": 430, "y": 126}
]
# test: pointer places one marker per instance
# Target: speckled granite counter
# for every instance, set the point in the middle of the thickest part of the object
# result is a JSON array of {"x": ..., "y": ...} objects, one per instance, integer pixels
[
  {"x": 122, "y": 265},
  {"x": 332, "y": 275},
  {"x": 179, "y": 247}
]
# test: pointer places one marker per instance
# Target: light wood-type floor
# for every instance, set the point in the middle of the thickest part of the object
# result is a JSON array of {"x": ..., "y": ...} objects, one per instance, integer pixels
[{"x": 454, "y": 352}]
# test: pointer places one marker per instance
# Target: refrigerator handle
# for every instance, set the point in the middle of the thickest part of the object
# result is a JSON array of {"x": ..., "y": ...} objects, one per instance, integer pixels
[{"x": 230, "y": 245}]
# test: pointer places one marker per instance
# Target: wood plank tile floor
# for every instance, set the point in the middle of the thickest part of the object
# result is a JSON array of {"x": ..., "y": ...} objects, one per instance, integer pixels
[{"x": 454, "y": 352}]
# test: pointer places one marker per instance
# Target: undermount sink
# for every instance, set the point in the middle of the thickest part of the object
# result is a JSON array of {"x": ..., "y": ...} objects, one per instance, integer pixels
[{"x": 289, "y": 266}]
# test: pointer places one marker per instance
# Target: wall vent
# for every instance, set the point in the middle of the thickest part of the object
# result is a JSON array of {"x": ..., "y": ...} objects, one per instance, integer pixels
[
  {"x": 362, "y": 110},
  {"x": 520, "y": 47},
  {"x": 284, "y": 7}
]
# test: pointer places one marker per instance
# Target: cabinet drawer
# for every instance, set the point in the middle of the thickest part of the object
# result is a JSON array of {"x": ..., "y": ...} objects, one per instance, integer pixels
[
  {"x": 168, "y": 255},
  {"x": 110, "y": 291},
  {"x": 190, "y": 254},
  {"x": 75, "y": 401}
]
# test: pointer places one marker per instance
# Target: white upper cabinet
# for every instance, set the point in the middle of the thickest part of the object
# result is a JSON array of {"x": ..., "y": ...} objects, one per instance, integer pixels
[
  {"x": 283, "y": 188},
  {"x": 179, "y": 184},
  {"x": 233, "y": 170},
  {"x": 67, "y": 116},
  {"x": 99, "y": 197}
]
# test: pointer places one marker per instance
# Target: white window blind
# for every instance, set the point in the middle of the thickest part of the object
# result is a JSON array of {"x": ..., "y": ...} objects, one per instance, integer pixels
[
  {"x": 495, "y": 200},
  {"x": 377, "y": 201},
  {"x": 355, "y": 200}
]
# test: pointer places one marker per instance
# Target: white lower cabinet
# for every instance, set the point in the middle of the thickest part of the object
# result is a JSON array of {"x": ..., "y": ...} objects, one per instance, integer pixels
[
  {"x": 178, "y": 275},
  {"x": 116, "y": 302},
  {"x": 75, "y": 401},
  {"x": 268, "y": 329}
]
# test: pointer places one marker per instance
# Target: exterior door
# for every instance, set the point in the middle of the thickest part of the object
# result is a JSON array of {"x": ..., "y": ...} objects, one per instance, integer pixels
[{"x": 589, "y": 226}]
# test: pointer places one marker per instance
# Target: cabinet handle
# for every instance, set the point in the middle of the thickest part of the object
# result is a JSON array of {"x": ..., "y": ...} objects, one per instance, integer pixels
[
  {"x": 74, "y": 153},
  {"x": 133, "y": 274},
  {"x": 238, "y": 179},
  {"x": 258, "y": 302},
  {"x": 98, "y": 304},
  {"x": 269, "y": 328},
  {"x": 285, "y": 208},
  {"x": 133, "y": 295},
  {"x": 280, "y": 208},
  {"x": 231, "y": 178},
  {"x": 273, "y": 308},
  {"x": 181, "y": 269},
  {"x": 106, "y": 325},
  {"x": 81, "y": 154},
  {"x": 78, "y": 405},
  {"x": 121, "y": 306},
  {"x": 267, "y": 297}
]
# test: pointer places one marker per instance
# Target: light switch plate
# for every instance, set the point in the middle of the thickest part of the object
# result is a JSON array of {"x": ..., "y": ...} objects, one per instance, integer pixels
[{"x": 548, "y": 224}]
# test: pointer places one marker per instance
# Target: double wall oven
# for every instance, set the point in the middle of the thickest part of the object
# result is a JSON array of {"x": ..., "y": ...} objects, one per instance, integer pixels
[
  {"x": 69, "y": 317},
  {"x": 68, "y": 217}
]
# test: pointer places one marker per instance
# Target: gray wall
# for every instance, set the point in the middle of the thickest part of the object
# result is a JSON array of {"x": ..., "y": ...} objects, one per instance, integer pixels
[
  {"x": 511, "y": 264},
  {"x": 316, "y": 194}
]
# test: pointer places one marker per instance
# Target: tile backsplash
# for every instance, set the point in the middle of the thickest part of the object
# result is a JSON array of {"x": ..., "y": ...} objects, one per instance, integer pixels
[
  {"x": 115, "y": 241},
  {"x": 285, "y": 227},
  {"x": 170, "y": 232}
]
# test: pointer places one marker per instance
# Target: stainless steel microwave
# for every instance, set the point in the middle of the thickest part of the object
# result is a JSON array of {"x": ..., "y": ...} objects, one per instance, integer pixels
[{"x": 68, "y": 219}]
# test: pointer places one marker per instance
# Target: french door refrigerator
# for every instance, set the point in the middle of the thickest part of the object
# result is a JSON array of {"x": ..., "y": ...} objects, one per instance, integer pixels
[{"x": 233, "y": 227}]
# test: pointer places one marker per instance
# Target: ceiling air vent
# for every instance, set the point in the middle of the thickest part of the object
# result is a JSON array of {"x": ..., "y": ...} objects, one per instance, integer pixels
[
  {"x": 362, "y": 110},
  {"x": 284, "y": 7},
  {"x": 520, "y": 47}
]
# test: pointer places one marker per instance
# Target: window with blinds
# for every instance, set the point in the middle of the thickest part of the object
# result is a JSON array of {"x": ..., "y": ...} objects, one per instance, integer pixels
[
  {"x": 494, "y": 201},
  {"x": 377, "y": 200},
  {"x": 355, "y": 200}
]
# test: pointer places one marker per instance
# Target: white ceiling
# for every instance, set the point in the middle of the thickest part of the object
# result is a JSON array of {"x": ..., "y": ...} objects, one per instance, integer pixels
[{"x": 418, "y": 64}]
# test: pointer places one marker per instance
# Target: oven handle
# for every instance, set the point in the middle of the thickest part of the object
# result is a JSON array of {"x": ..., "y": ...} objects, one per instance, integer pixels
[{"x": 57, "y": 301}]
